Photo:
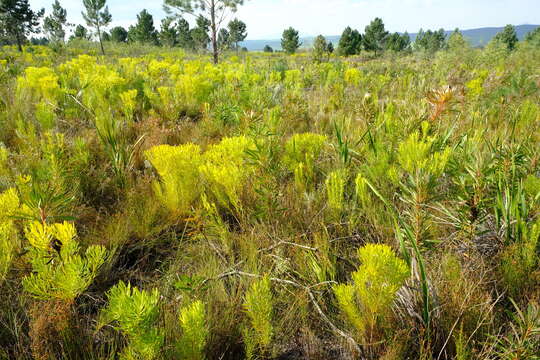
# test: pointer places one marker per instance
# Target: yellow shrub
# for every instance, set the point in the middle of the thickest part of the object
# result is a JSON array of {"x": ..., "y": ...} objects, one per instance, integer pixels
[
  {"x": 42, "y": 81},
  {"x": 59, "y": 271},
  {"x": 178, "y": 168},
  {"x": 369, "y": 298},
  {"x": 225, "y": 170},
  {"x": 9, "y": 204}
]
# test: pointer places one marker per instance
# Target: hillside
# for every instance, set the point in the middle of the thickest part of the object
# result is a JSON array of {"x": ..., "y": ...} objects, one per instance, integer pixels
[{"x": 477, "y": 37}]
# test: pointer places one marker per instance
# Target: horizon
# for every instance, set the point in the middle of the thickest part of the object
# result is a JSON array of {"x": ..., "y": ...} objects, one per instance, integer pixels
[{"x": 398, "y": 15}]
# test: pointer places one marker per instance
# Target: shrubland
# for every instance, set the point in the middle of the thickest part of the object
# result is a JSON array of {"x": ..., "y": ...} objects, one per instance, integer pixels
[{"x": 157, "y": 206}]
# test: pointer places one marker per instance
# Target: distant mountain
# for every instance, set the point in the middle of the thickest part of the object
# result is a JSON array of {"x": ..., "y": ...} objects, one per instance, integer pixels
[{"x": 477, "y": 37}]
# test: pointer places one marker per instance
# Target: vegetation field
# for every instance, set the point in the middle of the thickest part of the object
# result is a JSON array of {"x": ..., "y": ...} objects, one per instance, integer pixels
[{"x": 272, "y": 206}]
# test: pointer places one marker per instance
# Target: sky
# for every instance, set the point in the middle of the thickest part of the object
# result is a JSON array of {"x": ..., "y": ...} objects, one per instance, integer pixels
[{"x": 266, "y": 19}]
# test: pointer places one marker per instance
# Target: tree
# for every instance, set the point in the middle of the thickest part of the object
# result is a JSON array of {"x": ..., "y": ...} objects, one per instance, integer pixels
[
  {"x": 533, "y": 37},
  {"x": 268, "y": 49},
  {"x": 237, "y": 31},
  {"x": 224, "y": 40},
  {"x": 456, "y": 41},
  {"x": 290, "y": 41},
  {"x": 397, "y": 42},
  {"x": 375, "y": 36},
  {"x": 143, "y": 31},
  {"x": 119, "y": 34},
  {"x": 168, "y": 35},
  {"x": 97, "y": 17},
  {"x": 185, "y": 40},
  {"x": 431, "y": 41},
  {"x": 80, "y": 33},
  {"x": 320, "y": 49},
  {"x": 350, "y": 42},
  {"x": 330, "y": 47},
  {"x": 199, "y": 35},
  {"x": 54, "y": 25},
  {"x": 18, "y": 20},
  {"x": 508, "y": 37},
  {"x": 214, "y": 10}
]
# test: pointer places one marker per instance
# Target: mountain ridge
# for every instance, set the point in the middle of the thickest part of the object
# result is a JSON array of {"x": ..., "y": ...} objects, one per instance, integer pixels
[{"x": 477, "y": 37}]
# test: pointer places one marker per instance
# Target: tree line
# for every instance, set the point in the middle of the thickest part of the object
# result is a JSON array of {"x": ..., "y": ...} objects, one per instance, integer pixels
[{"x": 18, "y": 22}]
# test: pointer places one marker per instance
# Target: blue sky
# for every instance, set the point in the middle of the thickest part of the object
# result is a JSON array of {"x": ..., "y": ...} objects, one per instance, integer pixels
[{"x": 266, "y": 19}]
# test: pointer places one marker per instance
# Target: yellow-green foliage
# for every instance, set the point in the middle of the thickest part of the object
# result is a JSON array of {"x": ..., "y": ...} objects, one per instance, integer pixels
[
  {"x": 135, "y": 312},
  {"x": 194, "y": 331},
  {"x": 416, "y": 154},
  {"x": 9, "y": 204},
  {"x": 225, "y": 170},
  {"x": 59, "y": 271},
  {"x": 258, "y": 305},
  {"x": 369, "y": 298},
  {"x": 352, "y": 76},
  {"x": 221, "y": 172},
  {"x": 520, "y": 260},
  {"x": 335, "y": 190},
  {"x": 42, "y": 81},
  {"x": 178, "y": 168},
  {"x": 301, "y": 152},
  {"x": 361, "y": 189}
]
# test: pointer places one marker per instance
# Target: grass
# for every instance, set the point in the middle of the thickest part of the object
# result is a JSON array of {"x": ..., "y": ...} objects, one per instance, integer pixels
[{"x": 253, "y": 208}]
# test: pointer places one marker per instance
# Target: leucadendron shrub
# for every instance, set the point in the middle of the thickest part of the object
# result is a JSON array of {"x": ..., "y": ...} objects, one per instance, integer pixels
[
  {"x": 367, "y": 300},
  {"x": 60, "y": 270},
  {"x": 9, "y": 205},
  {"x": 135, "y": 313}
]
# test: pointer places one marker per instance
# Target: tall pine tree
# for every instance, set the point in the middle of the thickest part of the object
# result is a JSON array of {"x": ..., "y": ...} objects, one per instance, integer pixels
[{"x": 18, "y": 20}]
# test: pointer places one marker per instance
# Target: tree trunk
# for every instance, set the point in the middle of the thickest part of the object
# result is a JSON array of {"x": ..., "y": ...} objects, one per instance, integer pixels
[
  {"x": 19, "y": 42},
  {"x": 215, "y": 49},
  {"x": 100, "y": 42}
]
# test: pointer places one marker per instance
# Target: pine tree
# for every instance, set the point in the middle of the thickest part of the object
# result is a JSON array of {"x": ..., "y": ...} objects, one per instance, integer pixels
[
  {"x": 185, "y": 40},
  {"x": 213, "y": 10},
  {"x": 533, "y": 37},
  {"x": 397, "y": 42},
  {"x": 375, "y": 36},
  {"x": 456, "y": 41},
  {"x": 320, "y": 49},
  {"x": 18, "y": 20},
  {"x": 80, "y": 33},
  {"x": 97, "y": 17},
  {"x": 268, "y": 49},
  {"x": 237, "y": 31},
  {"x": 224, "y": 40},
  {"x": 199, "y": 35},
  {"x": 508, "y": 37},
  {"x": 350, "y": 42},
  {"x": 290, "y": 42},
  {"x": 431, "y": 41},
  {"x": 119, "y": 34},
  {"x": 143, "y": 31},
  {"x": 168, "y": 35},
  {"x": 54, "y": 25}
]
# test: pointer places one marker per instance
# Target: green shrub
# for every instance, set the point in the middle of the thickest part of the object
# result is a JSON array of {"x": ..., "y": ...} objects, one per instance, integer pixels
[
  {"x": 194, "y": 331},
  {"x": 366, "y": 302},
  {"x": 135, "y": 313},
  {"x": 9, "y": 205},
  {"x": 259, "y": 331},
  {"x": 178, "y": 168},
  {"x": 59, "y": 271}
]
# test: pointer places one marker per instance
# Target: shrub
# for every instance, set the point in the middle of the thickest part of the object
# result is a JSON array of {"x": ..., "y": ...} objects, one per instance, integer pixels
[
  {"x": 258, "y": 305},
  {"x": 178, "y": 168},
  {"x": 194, "y": 331},
  {"x": 59, "y": 270},
  {"x": 366, "y": 302},
  {"x": 335, "y": 190},
  {"x": 225, "y": 170},
  {"x": 9, "y": 204},
  {"x": 135, "y": 313},
  {"x": 301, "y": 152}
]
